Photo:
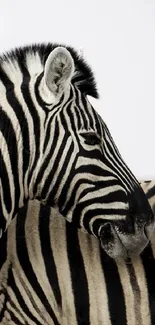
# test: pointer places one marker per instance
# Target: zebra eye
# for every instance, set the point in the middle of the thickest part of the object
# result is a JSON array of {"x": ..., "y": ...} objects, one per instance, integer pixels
[{"x": 91, "y": 138}]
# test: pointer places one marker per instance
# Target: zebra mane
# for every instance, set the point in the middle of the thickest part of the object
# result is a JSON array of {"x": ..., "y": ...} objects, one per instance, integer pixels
[{"x": 83, "y": 77}]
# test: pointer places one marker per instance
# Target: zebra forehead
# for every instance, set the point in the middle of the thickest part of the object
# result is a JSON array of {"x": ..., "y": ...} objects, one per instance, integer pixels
[{"x": 33, "y": 57}]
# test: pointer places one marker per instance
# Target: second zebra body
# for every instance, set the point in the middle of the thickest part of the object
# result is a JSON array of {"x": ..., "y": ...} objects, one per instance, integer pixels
[{"x": 53, "y": 274}]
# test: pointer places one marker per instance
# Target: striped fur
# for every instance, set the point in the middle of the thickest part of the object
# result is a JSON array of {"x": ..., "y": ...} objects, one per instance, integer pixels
[
  {"x": 56, "y": 148},
  {"x": 53, "y": 273}
]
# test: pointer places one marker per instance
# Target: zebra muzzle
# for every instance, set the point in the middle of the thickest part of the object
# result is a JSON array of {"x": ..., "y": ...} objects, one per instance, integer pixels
[{"x": 122, "y": 245}]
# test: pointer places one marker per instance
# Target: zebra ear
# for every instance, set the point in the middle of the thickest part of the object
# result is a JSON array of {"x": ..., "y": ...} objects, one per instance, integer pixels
[{"x": 59, "y": 69}]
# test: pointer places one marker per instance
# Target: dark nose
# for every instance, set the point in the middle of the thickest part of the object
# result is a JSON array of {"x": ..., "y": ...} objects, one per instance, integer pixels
[{"x": 139, "y": 208}]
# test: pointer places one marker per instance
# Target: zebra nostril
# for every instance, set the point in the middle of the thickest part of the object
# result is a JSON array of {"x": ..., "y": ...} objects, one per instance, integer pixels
[
  {"x": 145, "y": 231},
  {"x": 148, "y": 230}
]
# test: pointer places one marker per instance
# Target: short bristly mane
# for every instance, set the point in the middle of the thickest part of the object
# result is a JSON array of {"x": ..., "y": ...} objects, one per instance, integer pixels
[{"x": 83, "y": 76}]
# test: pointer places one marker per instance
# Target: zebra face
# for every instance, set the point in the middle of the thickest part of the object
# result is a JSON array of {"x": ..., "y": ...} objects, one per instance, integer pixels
[
  {"x": 96, "y": 190},
  {"x": 108, "y": 200}
]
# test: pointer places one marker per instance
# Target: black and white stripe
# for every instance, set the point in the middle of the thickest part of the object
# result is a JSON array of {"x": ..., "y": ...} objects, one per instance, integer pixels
[
  {"x": 53, "y": 273},
  {"x": 56, "y": 148}
]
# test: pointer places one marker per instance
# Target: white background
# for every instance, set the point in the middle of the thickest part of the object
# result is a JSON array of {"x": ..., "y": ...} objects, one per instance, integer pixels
[{"x": 118, "y": 39}]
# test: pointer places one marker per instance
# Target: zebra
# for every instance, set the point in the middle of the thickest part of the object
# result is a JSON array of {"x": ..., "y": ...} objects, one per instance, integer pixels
[
  {"x": 53, "y": 273},
  {"x": 54, "y": 147}
]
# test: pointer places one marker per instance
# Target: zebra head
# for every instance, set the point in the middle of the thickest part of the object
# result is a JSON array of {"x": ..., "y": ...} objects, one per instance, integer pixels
[{"x": 62, "y": 153}]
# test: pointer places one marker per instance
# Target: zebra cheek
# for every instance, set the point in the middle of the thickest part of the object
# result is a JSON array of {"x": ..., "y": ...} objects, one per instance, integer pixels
[{"x": 111, "y": 243}]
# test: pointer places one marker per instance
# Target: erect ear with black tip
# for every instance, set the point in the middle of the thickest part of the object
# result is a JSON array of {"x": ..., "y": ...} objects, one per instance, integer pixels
[{"x": 59, "y": 69}]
